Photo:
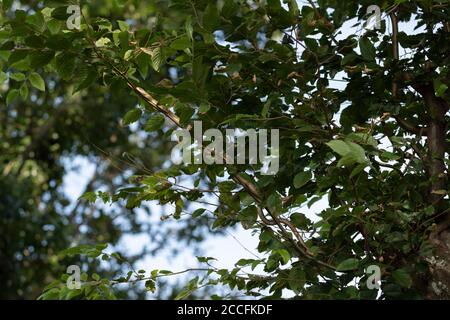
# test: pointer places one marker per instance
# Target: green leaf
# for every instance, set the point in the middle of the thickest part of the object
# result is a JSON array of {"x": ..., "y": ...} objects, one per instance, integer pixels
[
  {"x": 150, "y": 285},
  {"x": 37, "y": 81},
  {"x": 18, "y": 76},
  {"x": 186, "y": 292},
  {"x": 300, "y": 220},
  {"x": 80, "y": 249},
  {"x": 189, "y": 28},
  {"x": 205, "y": 259},
  {"x": 102, "y": 42},
  {"x": 184, "y": 111},
  {"x": 347, "y": 265},
  {"x": 357, "y": 152},
  {"x": 274, "y": 203},
  {"x": 197, "y": 213},
  {"x": 367, "y": 49},
  {"x": 360, "y": 167},
  {"x": 17, "y": 56},
  {"x": 181, "y": 43},
  {"x": 12, "y": 95},
  {"x": 54, "y": 26},
  {"x": 41, "y": 58},
  {"x": 362, "y": 138},
  {"x": 155, "y": 122},
  {"x": 3, "y": 77},
  {"x": 157, "y": 57},
  {"x": 266, "y": 108},
  {"x": 211, "y": 18},
  {"x": 85, "y": 80},
  {"x": 65, "y": 65},
  {"x": 7, "y": 45},
  {"x": 248, "y": 217},
  {"x": 131, "y": 116},
  {"x": 297, "y": 279},
  {"x": 402, "y": 278},
  {"x": 60, "y": 13},
  {"x": 34, "y": 41},
  {"x": 204, "y": 108},
  {"x": 37, "y": 21},
  {"x": 439, "y": 87},
  {"x": 89, "y": 196},
  {"x": 123, "y": 26},
  {"x": 351, "y": 152},
  {"x": 285, "y": 256},
  {"x": 339, "y": 146},
  {"x": 302, "y": 178},
  {"x": 24, "y": 90},
  {"x": 349, "y": 58}
]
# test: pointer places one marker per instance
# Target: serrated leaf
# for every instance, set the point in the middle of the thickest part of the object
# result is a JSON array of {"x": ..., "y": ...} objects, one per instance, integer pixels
[
  {"x": 85, "y": 80},
  {"x": 41, "y": 58},
  {"x": 65, "y": 65},
  {"x": 157, "y": 59},
  {"x": 155, "y": 122}
]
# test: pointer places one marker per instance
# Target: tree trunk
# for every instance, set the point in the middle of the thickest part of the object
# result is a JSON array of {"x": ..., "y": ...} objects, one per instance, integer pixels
[
  {"x": 439, "y": 267},
  {"x": 438, "y": 284}
]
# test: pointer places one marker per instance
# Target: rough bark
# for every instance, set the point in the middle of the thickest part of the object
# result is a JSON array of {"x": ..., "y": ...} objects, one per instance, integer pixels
[{"x": 438, "y": 286}]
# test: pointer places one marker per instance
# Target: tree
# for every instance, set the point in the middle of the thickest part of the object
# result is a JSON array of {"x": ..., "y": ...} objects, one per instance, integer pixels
[
  {"x": 375, "y": 150},
  {"x": 43, "y": 135}
]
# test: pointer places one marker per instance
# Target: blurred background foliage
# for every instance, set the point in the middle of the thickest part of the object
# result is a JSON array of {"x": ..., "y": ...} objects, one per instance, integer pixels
[{"x": 42, "y": 135}]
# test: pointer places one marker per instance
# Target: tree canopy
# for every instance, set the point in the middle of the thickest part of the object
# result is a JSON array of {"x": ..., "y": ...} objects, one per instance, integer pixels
[{"x": 363, "y": 129}]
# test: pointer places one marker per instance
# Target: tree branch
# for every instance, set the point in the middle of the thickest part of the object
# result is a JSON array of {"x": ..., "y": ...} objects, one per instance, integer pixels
[{"x": 411, "y": 128}]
